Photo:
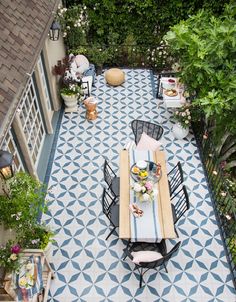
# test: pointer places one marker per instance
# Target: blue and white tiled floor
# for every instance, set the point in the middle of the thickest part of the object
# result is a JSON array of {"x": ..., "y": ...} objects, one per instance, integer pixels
[{"x": 87, "y": 267}]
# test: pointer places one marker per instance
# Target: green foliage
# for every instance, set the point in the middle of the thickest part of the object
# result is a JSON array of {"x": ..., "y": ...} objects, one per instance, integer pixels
[
  {"x": 71, "y": 89},
  {"x": 21, "y": 210},
  {"x": 26, "y": 201},
  {"x": 204, "y": 46},
  {"x": 35, "y": 236},
  {"x": 117, "y": 26}
]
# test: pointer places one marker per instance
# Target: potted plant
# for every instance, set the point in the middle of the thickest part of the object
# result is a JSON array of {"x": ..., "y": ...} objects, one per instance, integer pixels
[
  {"x": 36, "y": 236},
  {"x": 71, "y": 93},
  {"x": 183, "y": 118}
]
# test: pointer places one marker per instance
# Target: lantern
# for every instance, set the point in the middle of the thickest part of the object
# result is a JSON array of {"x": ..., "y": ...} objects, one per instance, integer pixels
[
  {"x": 54, "y": 31},
  {"x": 6, "y": 160}
]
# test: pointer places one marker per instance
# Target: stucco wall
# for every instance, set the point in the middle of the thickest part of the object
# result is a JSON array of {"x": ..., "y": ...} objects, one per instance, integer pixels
[{"x": 54, "y": 51}]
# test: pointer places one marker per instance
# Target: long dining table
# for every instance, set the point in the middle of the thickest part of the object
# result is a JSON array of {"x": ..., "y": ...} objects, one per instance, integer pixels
[{"x": 163, "y": 215}]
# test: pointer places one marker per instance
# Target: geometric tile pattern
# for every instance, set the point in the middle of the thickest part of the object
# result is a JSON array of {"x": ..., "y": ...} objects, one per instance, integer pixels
[{"x": 88, "y": 268}]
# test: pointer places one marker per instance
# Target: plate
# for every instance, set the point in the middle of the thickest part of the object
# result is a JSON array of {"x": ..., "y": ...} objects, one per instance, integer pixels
[
  {"x": 171, "y": 92},
  {"x": 151, "y": 169}
]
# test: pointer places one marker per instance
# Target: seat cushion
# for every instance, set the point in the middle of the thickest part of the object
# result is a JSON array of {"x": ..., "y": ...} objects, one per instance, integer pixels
[
  {"x": 115, "y": 185},
  {"x": 115, "y": 215},
  {"x": 148, "y": 143},
  {"x": 145, "y": 256},
  {"x": 114, "y": 76}
]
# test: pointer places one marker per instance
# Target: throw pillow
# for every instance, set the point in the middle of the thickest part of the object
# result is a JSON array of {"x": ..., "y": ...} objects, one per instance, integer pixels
[
  {"x": 82, "y": 63},
  {"x": 148, "y": 143},
  {"x": 145, "y": 256}
]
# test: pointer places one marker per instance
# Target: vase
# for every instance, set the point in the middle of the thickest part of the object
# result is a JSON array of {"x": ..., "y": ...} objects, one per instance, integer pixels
[
  {"x": 179, "y": 131},
  {"x": 70, "y": 101}
]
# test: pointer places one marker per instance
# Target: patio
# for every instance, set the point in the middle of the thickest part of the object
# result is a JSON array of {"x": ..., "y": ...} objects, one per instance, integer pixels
[{"x": 87, "y": 267}]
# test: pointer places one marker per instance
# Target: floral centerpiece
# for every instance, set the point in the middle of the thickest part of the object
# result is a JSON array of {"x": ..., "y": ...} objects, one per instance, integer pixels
[
  {"x": 183, "y": 116},
  {"x": 10, "y": 256},
  {"x": 143, "y": 190}
]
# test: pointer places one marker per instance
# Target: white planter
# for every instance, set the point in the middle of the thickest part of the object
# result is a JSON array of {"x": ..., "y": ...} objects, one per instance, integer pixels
[
  {"x": 180, "y": 132},
  {"x": 70, "y": 101}
]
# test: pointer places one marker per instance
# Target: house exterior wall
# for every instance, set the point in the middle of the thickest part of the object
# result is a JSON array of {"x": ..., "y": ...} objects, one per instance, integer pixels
[{"x": 52, "y": 52}]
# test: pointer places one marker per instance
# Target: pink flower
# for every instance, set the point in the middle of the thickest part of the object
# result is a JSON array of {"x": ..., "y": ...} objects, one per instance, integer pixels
[
  {"x": 15, "y": 249},
  {"x": 148, "y": 185}
]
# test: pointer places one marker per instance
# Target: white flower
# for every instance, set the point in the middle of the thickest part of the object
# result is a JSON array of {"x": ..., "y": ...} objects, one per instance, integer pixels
[
  {"x": 13, "y": 257},
  {"x": 177, "y": 112},
  {"x": 189, "y": 117},
  {"x": 143, "y": 189},
  {"x": 146, "y": 197},
  {"x": 186, "y": 122},
  {"x": 29, "y": 266},
  {"x": 68, "y": 27},
  {"x": 137, "y": 187},
  {"x": 183, "y": 113}
]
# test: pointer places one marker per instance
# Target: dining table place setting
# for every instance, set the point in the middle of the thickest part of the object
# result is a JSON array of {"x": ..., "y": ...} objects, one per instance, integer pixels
[{"x": 145, "y": 207}]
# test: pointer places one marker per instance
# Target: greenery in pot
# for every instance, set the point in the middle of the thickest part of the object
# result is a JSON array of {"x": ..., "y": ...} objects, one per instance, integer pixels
[
  {"x": 183, "y": 116},
  {"x": 35, "y": 236},
  {"x": 72, "y": 89},
  {"x": 10, "y": 256}
]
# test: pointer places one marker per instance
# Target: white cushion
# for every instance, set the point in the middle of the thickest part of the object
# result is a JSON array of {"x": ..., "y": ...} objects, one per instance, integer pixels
[
  {"x": 145, "y": 256},
  {"x": 82, "y": 63},
  {"x": 148, "y": 143}
]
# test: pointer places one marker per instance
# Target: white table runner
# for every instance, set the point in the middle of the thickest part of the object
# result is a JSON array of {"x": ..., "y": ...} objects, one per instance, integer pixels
[{"x": 146, "y": 228}]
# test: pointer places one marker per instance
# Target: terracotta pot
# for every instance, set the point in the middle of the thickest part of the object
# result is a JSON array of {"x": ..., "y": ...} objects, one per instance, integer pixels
[{"x": 179, "y": 131}]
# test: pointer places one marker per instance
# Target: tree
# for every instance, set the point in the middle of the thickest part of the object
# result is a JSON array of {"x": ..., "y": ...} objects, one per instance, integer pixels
[{"x": 205, "y": 48}]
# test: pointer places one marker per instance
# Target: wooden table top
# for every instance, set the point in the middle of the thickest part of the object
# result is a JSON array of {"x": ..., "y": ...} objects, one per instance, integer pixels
[{"x": 164, "y": 202}]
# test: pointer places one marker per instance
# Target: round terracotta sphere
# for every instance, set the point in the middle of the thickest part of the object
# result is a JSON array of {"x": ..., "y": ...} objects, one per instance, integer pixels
[{"x": 115, "y": 76}]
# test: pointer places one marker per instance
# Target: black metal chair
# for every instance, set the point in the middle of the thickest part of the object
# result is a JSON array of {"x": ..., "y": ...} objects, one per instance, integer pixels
[
  {"x": 111, "y": 210},
  {"x": 175, "y": 178},
  {"x": 143, "y": 267},
  {"x": 180, "y": 203},
  {"x": 151, "y": 129},
  {"x": 111, "y": 179}
]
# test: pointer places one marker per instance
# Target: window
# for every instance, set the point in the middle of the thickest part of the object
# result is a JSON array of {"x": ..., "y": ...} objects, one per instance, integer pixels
[{"x": 31, "y": 120}]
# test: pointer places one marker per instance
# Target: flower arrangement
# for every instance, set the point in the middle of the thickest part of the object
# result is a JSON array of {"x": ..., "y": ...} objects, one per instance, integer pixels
[
  {"x": 143, "y": 190},
  {"x": 71, "y": 89},
  {"x": 183, "y": 116},
  {"x": 10, "y": 256}
]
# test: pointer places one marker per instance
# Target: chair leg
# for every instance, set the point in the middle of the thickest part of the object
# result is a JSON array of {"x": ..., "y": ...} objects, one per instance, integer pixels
[
  {"x": 141, "y": 279},
  {"x": 176, "y": 233},
  {"x": 111, "y": 232},
  {"x": 165, "y": 267}
]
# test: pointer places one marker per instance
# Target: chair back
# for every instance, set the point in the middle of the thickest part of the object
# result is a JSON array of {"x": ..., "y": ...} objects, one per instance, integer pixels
[
  {"x": 180, "y": 202},
  {"x": 107, "y": 201},
  {"x": 172, "y": 251},
  {"x": 153, "y": 130},
  {"x": 175, "y": 178},
  {"x": 109, "y": 174}
]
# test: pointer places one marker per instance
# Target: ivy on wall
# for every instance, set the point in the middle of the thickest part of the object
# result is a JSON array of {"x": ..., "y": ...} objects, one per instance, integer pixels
[{"x": 142, "y": 21}]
